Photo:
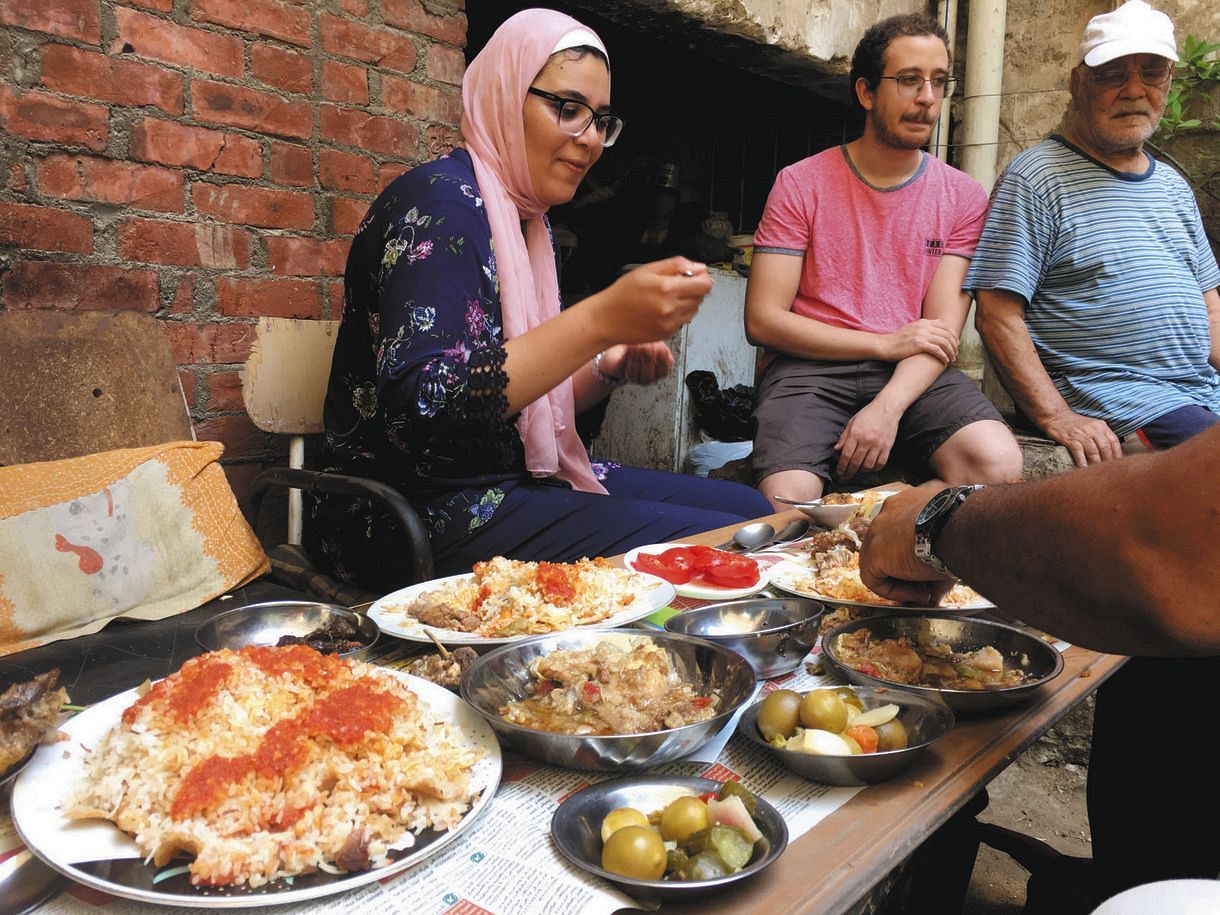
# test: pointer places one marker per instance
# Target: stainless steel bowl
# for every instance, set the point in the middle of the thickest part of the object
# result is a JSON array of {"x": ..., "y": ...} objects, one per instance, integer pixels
[
  {"x": 265, "y": 623},
  {"x": 576, "y": 831},
  {"x": 773, "y": 633},
  {"x": 1040, "y": 660},
  {"x": 926, "y": 719},
  {"x": 502, "y": 676}
]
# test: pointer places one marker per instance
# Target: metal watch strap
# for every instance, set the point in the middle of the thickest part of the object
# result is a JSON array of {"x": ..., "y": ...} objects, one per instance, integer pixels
[
  {"x": 601, "y": 377},
  {"x": 932, "y": 520}
]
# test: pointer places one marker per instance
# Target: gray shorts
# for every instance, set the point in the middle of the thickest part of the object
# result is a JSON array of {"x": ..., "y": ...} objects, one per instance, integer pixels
[{"x": 801, "y": 407}]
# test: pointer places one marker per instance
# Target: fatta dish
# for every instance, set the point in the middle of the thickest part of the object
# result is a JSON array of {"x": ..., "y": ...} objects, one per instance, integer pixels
[{"x": 270, "y": 763}]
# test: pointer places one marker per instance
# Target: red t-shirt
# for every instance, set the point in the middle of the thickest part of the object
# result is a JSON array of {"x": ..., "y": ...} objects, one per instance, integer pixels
[{"x": 869, "y": 252}]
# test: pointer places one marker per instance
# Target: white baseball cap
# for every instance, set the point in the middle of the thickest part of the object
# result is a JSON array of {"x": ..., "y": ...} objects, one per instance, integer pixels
[{"x": 1133, "y": 28}]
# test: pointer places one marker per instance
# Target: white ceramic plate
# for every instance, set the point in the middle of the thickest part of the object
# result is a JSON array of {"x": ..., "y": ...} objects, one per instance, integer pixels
[
  {"x": 831, "y": 516},
  {"x": 698, "y": 588},
  {"x": 97, "y": 854},
  {"x": 783, "y": 575},
  {"x": 390, "y": 614}
]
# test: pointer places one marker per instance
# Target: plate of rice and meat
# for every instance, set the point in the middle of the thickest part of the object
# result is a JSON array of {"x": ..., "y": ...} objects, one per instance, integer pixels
[
  {"x": 503, "y": 600},
  {"x": 255, "y": 777}
]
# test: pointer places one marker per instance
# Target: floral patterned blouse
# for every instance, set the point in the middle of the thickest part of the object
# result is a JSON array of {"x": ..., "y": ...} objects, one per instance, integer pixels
[{"x": 416, "y": 393}]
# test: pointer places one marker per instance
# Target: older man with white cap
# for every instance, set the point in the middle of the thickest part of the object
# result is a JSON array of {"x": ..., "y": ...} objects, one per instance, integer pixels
[
  {"x": 1097, "y": 301},
  {"x": 1095, "y": 283}
]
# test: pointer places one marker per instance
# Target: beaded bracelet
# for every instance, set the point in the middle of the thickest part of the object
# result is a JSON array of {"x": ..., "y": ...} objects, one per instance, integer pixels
[{"x": 602, "y": 377}]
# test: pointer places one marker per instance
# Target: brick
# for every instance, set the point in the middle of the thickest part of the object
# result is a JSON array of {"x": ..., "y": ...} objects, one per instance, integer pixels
[
  {"x": 291, "y": 164},
  {"x": 405, "y": 96},
  {"x": 45, "y": 229},
  {"x": 161, "y": 39},
  {"x": 183, "y": 301},
  {"x": 224, "y": 391},
  {"x": 39, "y": 116},
  {"x": 18, "y": 180},
  {"x": 190, "y": 244},
  {"x": 254, "y": 206},
  {"x": 306, "y": 256},
  {"x": 197, "y": 343},
  {"x": 97, "y": 76},
  {"x": 235, "y": 106},
  {"x": 240, "y": 296},
  {"x": 345, "y": 83},
  {"x": 85, "y": 287},
  {"x": 238, "y": 434},
  {"x": 357, "y": 8},
  {"x": 145, "y": 187},
  {"x": 162, "y": 6},
  {"x": 340, "y": 171},
  {"x": 441, "y": 141},
  {"x": 359, "y": 129},
  {"x": 373, "y": 46},
  {"x": 388, "y": 172},
  {"x": 79, "y": 19},
  {"x": 287, "y": 70},
  {"x": 445, "y": 65},
  {"x": 345, "y": 214},
  {"x": 411, "y": 15},
  {"x": 169, "y": 143},
  {"x": 263, "y": 17}
]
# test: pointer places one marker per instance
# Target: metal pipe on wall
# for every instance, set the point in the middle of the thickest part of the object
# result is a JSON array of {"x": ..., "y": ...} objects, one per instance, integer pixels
[{"x": 946, "y": 15}]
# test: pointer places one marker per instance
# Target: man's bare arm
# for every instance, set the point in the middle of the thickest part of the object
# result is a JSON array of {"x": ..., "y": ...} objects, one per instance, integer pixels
[
  {"x": 1121, "y": 557},
  {"x": 1000, "y": 319},
  {"x": 1212, "y": 298},
  {"x": 770, "y": 322}
]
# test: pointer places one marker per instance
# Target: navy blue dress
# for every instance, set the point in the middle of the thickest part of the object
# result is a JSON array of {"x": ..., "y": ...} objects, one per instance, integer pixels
[{"x": 416, "y": 400}]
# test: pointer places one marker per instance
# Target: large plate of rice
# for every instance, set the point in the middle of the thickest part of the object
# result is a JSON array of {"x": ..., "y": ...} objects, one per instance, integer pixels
[
  {"x": 265, "y": 776},
  {"x": 504, "y": 600}
]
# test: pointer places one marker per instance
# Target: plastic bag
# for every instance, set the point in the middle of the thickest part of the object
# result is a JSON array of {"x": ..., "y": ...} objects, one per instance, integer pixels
[
  {"x": 722, "y": 414},
  {"x": 705, "y": 457}
]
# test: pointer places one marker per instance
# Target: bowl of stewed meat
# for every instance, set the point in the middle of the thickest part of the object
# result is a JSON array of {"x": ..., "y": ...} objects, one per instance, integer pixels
[{"x": 608, "y": 700}]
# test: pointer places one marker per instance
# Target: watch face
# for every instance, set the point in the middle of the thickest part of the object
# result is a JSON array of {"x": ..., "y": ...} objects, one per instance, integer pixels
[{"x": 935, "y": 504}]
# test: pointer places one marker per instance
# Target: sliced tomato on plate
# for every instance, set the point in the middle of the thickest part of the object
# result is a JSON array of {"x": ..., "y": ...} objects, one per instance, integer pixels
[
  {"x": 678, "y": 557},
  {"x": 732, "y": 571},
  {"x": 656, "y": 565}
]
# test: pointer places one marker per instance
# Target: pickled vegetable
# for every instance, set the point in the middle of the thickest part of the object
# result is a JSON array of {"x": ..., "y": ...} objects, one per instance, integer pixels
[
  {"x": 617, "y": 819},
  {"x": 779, "y": 714},
  {"x": 892, "y": 736},
  {"x": 737, "y": 789},
  {"x": 824, "y": 710},
  {"x": 727, "y": 843},
  {"x": 707, "y": 866},
  {"x": 682, "y": 817},
  {"x": 637, "y": 852}
]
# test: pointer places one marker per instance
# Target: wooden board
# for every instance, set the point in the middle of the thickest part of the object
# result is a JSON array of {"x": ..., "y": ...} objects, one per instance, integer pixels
[
  {"x": 284, "y": 384},
  {"x": 76, "y": 383}
]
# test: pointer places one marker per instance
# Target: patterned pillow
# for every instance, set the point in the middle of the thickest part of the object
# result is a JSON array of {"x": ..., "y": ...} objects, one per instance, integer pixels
[{"x": 141, "y": 533}]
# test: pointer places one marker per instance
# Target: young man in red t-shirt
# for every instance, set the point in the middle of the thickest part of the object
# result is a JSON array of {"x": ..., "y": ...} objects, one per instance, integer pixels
[{"x": 856, "y": 293}]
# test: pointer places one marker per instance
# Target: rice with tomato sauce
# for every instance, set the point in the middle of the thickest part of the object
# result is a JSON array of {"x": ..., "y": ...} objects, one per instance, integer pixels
[
  {"x": 273, "y": 762},
  {"x": 509, "y": 597}
]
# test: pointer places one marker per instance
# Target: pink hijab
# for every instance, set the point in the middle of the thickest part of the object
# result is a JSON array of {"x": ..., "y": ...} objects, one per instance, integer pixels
[{"x": 493, "y": 95}]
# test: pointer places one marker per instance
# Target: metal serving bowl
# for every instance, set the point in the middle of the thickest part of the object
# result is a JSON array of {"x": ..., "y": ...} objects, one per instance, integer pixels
[
  {"x": 1040, "y": 660},
  {"x": 502, "y": 676},
  {"x": 265, "y": 623},
  {"x": 576, "y": 831},
  {"x": 926, "y": 719},
  {"x": 773, "y": 633}
]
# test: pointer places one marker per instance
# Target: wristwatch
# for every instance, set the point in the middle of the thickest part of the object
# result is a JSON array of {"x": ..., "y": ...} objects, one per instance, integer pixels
[{"x": 932, "y": 519}]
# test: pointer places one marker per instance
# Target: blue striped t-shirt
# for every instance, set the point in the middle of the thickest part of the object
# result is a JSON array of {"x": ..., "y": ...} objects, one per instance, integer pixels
[{"x": 1113, "y": 267}]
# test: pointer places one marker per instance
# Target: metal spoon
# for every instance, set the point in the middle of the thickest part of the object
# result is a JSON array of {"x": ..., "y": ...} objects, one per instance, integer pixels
[
  {"x": 794, "y": 530},
  {"x": 750, "y": 537}
]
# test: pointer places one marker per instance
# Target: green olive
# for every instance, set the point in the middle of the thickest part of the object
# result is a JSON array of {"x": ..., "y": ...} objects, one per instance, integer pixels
[
  {"x": 637, "y": 852},
  {"x": 891, "y": 736},
  {"x": 779, "y": 714},
  {"x": 682, "y": 817},
  {"x": 848, "y": 695},
  {"x": 617, "y": 819},
  {"x": 824, "y": 710}
]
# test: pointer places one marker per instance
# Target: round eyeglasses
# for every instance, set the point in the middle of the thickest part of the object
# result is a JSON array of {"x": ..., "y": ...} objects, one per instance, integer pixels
[
  {"x": 911, "y": 85},
  {"x": 1113, "y": 77},
  {"x": 574, "y": 117}
]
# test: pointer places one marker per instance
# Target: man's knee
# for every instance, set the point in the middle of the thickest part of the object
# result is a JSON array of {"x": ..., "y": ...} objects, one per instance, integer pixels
[
  {"x": 800, "y": 485},
  {"x": 982, "y": 452}
]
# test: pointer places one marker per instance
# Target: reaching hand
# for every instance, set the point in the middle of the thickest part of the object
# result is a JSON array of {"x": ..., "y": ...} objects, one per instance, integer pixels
[
  {"x": 1088, "y": 440},
  {"x": 927, "y": 335},
  {"x": 887, "y": 556},
  {"x": 866, "y": 441},
  {"x": 638, "y": 363},
  {"x": 653, "y": 301}
]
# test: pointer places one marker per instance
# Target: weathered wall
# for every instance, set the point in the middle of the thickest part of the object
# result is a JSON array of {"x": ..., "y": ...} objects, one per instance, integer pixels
[{"x": 207, "y": 161}]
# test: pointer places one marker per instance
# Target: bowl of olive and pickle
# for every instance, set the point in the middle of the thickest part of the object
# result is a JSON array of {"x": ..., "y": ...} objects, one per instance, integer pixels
[
  {"x": 846, "y": 735},
  {"x": 669, "y": 837}
]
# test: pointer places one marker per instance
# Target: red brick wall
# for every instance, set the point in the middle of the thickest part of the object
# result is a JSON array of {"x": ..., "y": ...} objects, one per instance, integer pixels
[{"x": 208, "y": 160}]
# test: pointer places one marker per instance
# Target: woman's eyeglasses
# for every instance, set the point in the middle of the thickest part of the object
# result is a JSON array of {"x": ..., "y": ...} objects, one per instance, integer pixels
[
  {"x": 575, "y": 117},
  {"x": 911, "y": 85},
  {"x": 1114, "y": 77}
]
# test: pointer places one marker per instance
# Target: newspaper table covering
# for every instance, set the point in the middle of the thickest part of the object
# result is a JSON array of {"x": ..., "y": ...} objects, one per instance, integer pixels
[{"x": 503, "y": 863}]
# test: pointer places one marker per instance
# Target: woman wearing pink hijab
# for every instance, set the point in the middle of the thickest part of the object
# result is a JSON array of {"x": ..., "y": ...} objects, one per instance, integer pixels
[{"x": 457, "y": 376}]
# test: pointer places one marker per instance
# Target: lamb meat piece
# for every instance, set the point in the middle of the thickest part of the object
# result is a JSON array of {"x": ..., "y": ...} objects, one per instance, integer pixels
[
  {"x": 27, "y": 712},
  {"x": 446, "y": 672},
  {"x": 443, "y": 615}
]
